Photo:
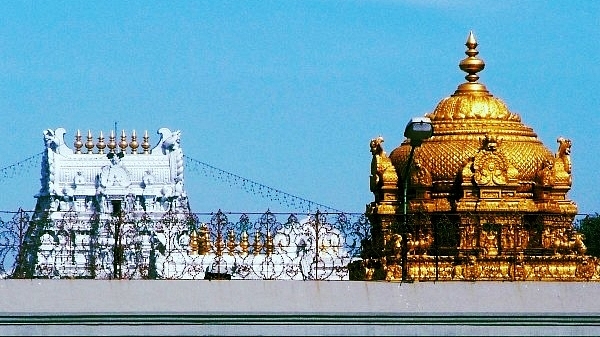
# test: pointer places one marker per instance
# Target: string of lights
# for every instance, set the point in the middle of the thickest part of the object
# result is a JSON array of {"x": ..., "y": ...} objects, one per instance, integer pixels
[
  {"x": 21, "y": 167},
  {"x": 197, "y": 166},
  {"x": 255, "y": 188}
]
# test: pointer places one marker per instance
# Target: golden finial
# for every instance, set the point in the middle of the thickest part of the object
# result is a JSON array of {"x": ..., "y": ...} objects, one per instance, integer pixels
[
  {"x": 89, "y": 145},
  {"x": 78, "y": 143},
  {"x": 231, "y": 244},
  {"x": 112, "y": 143},
  {"x": 101, "y": 145},
  {"x": 145, "y": 143},
  {"x": 133, "y": 144},
  {"x": 220, "y": 244},
  {"x": 204, "y": 244},
  {"x": 193, "y": 244},
  {"x": 244, "y": 244},
  {"x": 471, "y": 65},
  {"x": 269, "y": 246},
  {"x": 123, "y": 143},
  {"x": 257, "y": 245}
]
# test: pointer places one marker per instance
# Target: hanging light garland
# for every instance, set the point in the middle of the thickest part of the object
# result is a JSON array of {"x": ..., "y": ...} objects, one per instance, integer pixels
[
  {"x": 255, "y": 188},
  {"x": 21, "y": 167},
  {"x": 196, "y": 166}
]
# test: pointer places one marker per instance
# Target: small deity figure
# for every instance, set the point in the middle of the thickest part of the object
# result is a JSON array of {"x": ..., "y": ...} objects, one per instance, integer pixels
[
  {"x": 489, "y": 242},
  {"x": 54, "y": 205},
  {"x": 114, "y": 174},
  {"x": 66, "y": 202},
  {"x": 490, "y": 143},
  {"x": 468, "y": 237},
  {"x": 148, "y": 179},
  {"x": 179, "y": 187},
  {"x": 547, "y": 238},
  {"x": 79, "y": 179},
  {"x": 507, "y": 237},
  {"x": 130, "y": 202}
]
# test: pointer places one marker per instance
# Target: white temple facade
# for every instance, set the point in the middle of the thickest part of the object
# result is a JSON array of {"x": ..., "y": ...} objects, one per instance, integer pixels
[
  {"x": 109, "y": 184},
  {"x": 112, "y": 176},
  {"x": 118, "y": 209}
]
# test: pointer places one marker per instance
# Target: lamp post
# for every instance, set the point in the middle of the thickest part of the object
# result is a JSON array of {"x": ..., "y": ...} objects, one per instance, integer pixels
[{"x": 417, "y": 130}]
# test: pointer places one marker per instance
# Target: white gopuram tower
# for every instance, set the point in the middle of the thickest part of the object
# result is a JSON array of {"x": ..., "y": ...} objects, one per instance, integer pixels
[{"x": 95, "y": 199}]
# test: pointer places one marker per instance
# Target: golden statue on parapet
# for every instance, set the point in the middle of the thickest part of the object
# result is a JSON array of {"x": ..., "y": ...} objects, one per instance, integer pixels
[
  {"x": 485, "y": 199},
  {"x": 383, "y": 173}
]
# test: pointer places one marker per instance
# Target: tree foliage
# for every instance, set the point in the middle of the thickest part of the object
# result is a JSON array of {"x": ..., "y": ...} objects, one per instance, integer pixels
[{"x": 590, "y": 228}]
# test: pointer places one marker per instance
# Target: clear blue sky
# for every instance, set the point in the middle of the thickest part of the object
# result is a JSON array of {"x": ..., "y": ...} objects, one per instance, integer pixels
[{"x": 289, "y": 93}]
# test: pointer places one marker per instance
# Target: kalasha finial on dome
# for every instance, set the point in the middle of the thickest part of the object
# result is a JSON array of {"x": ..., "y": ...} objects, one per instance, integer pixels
[{"x": 471, "y": 65}]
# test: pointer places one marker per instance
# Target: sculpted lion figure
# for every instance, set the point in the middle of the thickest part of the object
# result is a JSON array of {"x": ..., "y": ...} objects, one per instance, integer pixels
[
  {"x": 170, "y": 140},
  {"x": 564, "y": 153},
  {"x": 376, "y": 146},
  {"x": 55, "y": 140},
  {"x": 382, "y": 170}
]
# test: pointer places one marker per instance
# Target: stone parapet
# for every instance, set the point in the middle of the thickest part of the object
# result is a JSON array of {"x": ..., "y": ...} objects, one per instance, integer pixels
[{"x": 84, "y": 307}]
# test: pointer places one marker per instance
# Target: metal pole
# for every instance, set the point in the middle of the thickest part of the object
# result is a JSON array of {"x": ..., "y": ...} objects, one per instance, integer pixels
[
  {"x": 404, "y": 214},
  {"x": 317, "y": 244}
]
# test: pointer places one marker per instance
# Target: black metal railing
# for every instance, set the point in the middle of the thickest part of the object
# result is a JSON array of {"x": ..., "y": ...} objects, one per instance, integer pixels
[
  {"x": 181, "y": 246},
  {"x": 268, "y": 246}
]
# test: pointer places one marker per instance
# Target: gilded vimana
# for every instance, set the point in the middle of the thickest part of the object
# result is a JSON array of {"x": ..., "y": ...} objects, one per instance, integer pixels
[{"x": 473, "y": 194}]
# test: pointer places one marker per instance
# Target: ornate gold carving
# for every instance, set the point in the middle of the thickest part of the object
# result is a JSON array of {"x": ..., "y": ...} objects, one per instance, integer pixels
[
  {"x": 193, "y": 244},
  {"x": 489, "y": 241},
  {"x": 244, "y": 244},
  {"x": 204, "y": 244},
  {"x": 562, "y": 163},
  {"x": 257, "y": 246},
  {"x": 545, "y": 176},
  {"x": 420, "y": 175},
  {"x": 503, "y": 191},
  {"x": 420, "y": 244},
  {"x": 565, "y": 241},
  {"x": 231, "y": 244},
  {"x": 384, "y": 179},
  {"x": 468, "y": 237},
  {"x": 490, "y": 169}
]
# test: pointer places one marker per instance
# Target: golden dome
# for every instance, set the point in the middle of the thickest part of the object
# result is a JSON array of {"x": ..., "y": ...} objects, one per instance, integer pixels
[
  {"x": 462, "y": 123},
  {"x": 479, "y": 191}
]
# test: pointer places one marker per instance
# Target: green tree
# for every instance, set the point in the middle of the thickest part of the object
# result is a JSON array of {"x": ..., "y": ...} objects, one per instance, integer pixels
[{"x": 590, "y": 228}]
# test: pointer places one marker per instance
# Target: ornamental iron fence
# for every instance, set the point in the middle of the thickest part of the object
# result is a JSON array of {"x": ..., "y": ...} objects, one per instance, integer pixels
[
  {"x": 282, "y": 246},
  {"x": 182, "y": 246}
]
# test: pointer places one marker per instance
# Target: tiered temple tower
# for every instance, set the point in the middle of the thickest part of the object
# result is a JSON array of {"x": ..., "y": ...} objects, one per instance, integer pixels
[
  {"x": 486, "y": 200},
  {"x": 93, "y": 194}
]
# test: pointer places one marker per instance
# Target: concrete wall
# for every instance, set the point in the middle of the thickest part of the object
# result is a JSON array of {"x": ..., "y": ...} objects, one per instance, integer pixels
[{"x": 84, "y": 307}]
